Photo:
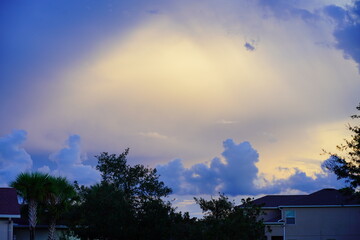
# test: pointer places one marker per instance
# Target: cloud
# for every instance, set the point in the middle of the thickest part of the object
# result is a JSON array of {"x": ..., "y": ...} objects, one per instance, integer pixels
[
  {"x": 70, "y": 164},
  {"x": 335, "y": 12},
  {"x": 154, "y": 12},
  {"x": 347, "y": 32},
  {"x": 346, "y": 18},
  {"x": 13, "y": 158},
  {"x": 177, "y": 73},
  {"x": 249, "y": 47},
  {"x": 172, "y": 174},
  {"x": 237, "y": 174},
  {"x": 233, "y": 174},
  {"x": 226, "y": 122},
  {"x": 155, "y": 135},
  {"x": 44, "y": 169},
  {"x": 300, "y": 181},
  {"x": 285, "y": 9}
]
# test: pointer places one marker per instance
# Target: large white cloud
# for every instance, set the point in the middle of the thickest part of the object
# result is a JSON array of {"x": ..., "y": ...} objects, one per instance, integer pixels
[
  {"x": 13, "y": 157},
  {"x": 182, "y": 80},
  {"x": 236, "y": 174},
  {"x": 69, "y": 161}
]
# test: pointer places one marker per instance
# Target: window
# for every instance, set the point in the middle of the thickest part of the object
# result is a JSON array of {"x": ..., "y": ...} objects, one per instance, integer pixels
[{"x": 290, "y": 216}]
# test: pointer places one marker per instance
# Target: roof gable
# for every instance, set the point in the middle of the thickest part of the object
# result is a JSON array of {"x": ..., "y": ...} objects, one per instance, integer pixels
[{"x": 9, "y": 205}]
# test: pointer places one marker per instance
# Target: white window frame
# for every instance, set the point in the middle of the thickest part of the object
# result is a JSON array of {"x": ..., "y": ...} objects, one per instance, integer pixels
[{"x": 290, "y": 214}]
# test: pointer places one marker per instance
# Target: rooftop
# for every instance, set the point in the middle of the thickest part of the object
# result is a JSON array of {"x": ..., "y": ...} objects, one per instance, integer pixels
[
  {"x": 9, "y": 206},
  {"x": 327, "y": 196}
]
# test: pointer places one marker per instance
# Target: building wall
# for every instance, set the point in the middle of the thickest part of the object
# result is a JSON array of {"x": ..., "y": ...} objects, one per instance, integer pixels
[
  {"x": 271, "y": 214},
  {"x": 275, "y": 230},
  {"x": 338, "y": 223},
  {"x": 6, "y": 229}
]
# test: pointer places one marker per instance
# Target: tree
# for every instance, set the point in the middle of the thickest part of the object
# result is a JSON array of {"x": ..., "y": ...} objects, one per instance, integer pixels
[
  {"x": 216, "y": 212},
  {"x": 346, "y": 164},
  {"x": 245, "y": 221},
  {"x": 217, "y": 209},
  {"x": 133, "y": 196},
  {"x": 33, "y": 188},
  {"x": 61, "y": 195},
  {"x": 154, "y": 220},
  {"x": 101, "y": 207},
  {"x": 137, "y": 182},
  {"x": 223, "y": 220},
  {"x": 184, "y": 227}
]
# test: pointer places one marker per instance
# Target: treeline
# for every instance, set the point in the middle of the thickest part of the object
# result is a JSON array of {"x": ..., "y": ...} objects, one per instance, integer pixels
[{"x": 129, "y": 204}]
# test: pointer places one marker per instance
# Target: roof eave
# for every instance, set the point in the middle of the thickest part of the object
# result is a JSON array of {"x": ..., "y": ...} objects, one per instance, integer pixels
[
  {"x": 316, "y": 206},
  {"x": 274, "y": 223},
  {"x": 10, "y": 216}
]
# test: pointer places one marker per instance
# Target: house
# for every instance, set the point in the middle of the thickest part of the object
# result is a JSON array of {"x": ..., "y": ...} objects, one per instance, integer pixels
[
  {"x": 21, "y": 230},
  {"x": 323, "y": 215},
  {"x": 13, "y": 226},
  {"x": 9, "y": 210}
]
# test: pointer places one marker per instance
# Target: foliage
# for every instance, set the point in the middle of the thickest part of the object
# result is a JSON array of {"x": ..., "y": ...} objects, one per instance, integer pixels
[
  {"x": 33, "y": 188},
  {"x": 60, "y": 197},
  {"x": 223, "y": 220},
  {"x": 135, "y": 181},
  {"x": 215, "y": 209},
  {"x": 346, "y": 164},
  {"x": 50, "y": 196},
  {"x": 129, "y": 204},
  {"x": 129, "y": 197},
  {"x": 184, "y": 227},
  {"x": 102, "y": 208}
]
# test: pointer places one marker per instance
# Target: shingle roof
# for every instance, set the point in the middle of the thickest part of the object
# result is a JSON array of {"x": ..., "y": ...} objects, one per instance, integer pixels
[
  {"x": 9, "y": 202},
  {"x": 325, "y": 196}
]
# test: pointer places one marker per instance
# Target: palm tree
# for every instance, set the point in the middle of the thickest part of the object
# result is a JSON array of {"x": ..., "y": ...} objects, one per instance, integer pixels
[
  {"x": 60, "y": 197},
  {"x": 33, "y": 188}
]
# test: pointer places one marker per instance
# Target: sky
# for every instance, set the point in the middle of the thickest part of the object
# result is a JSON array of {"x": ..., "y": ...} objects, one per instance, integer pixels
[{"x": 238, "y": 97}]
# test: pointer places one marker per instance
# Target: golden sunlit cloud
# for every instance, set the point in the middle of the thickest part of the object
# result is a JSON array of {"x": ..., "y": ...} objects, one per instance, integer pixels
[{"x": 188, "y": 89}]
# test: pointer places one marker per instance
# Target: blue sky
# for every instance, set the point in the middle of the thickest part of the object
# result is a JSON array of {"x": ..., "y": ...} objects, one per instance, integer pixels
[{"x": 226, "y": 96}]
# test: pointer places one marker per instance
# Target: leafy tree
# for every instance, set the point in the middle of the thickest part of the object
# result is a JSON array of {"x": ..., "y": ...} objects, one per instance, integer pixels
[
  {"x": 245, "y": 221},
  {"x": 184, "y": 227},
  {"x": 217, "y": 209},
  {"x": 33, "y": 188},
  {"x": 128, "y": 196},
  {"x": 223, "y": 220},
  {"x": 346, "y": 164},
  {"x": 216, "y": 212},
  {"x": 62, "y": 194},
  {"x": 137, "y": 182},
  {"x": 104, "y": 213},
  {"x": 154, "y": 220}
]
